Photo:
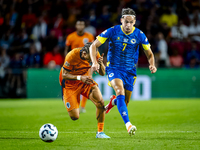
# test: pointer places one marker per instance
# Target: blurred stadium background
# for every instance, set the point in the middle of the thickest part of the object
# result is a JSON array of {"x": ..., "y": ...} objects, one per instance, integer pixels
[{"x": 33, "y": 34}]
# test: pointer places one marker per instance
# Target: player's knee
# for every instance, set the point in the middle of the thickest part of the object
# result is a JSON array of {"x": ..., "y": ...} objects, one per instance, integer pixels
[
  {"x": 119, "y": 91},
  {"x": 100, "y": 104}
]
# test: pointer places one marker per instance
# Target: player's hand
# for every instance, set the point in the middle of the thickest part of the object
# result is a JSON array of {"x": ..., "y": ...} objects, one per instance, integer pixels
[
  {"x": 100, "y": 60},
  {"x": 95, "y": 67},
  {"x": 152, "y": 68},
  {"x": 87, "y": 79}
]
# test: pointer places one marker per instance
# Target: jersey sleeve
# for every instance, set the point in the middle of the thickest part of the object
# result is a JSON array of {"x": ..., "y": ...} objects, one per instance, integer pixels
[
  {"x": 144, "y": 41},
  {"x": 68, "y": 63},
  {"x": 105, "y": 35}
]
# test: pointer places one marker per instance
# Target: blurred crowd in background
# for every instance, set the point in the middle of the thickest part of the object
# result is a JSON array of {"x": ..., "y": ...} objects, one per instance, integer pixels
[{"x": 33, "y": 33}]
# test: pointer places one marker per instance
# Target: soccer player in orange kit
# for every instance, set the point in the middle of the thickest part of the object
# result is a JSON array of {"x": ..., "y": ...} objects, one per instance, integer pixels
[
  {"x": 78, "y": 39},
  {"x": 74, "y": 81}
]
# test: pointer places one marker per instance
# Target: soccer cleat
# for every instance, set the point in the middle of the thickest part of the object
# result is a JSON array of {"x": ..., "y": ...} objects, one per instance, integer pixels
[
  {"x": 82, "y": 110},
  {"x": 102, "y": 135},
  {"x": 131, "y": 130},
  {"x": 110, "y": 105}
]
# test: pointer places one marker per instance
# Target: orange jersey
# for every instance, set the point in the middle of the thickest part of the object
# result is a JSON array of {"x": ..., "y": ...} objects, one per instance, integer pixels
[
  {"x": 75, "y": 41},
  {"x": 75, "y": 65}
]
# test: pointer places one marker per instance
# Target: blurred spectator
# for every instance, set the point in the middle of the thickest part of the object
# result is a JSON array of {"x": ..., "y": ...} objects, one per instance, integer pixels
[
  {"x": 176, "y": 60},
  {"x": 29, "y": 20},
  {"x": 193, "y": 57},
  {"x": 7, "y": 39},
  {"x": 93, "y": 18},
  {"x": 72, "y": 17},
  {"x": 15, "y": 78},
  {"x": 32, "y": 59},
  {"x": 40, "y": 29},
  {"x": 105, "y": 18},
  {"x": 169, "y": 18},
  {"x": 53, "y": 59},
  {"x": 194, "y": 29},
  {"x": 50, "y": 41},
  {"x": 163, "y": 51},
  {"x": 179, "y": 31},
  {"x": 89, "y": 28},
  {"x": 4, "y": 63},
  {"x": 11, "y": 17},
  {"x": 21, "y": 41},
  {"x": 58, "y": 23}
]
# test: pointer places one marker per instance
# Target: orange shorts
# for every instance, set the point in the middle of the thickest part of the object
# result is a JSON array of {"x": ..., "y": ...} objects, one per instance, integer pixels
[{"x": 71, "y": 94}]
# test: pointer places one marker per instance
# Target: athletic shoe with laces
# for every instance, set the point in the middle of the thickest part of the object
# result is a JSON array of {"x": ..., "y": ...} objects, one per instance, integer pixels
[
  {"x": 102, "y": 135},
  {"x": 131, "y": 130},
  {"x": 110, "y": 105}
]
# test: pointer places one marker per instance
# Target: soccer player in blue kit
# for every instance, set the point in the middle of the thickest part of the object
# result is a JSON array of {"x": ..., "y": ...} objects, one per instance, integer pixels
[{"x": 122, "y": 57}]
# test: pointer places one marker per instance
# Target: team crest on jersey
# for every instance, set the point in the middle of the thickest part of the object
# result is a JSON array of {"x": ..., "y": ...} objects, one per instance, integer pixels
[
  {"x": 68, "y": 105},
  {"x": 133, "y": 41},
  {"x": 125, "y": 40},
  {"x": 85, "y": 40},
  {"x": 67, "y": 64},
  {"x": 111, "y": 75}
]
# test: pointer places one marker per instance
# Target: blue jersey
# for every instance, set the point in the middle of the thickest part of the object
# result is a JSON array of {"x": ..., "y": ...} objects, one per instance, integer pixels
[{"x": 123, "y": 50}]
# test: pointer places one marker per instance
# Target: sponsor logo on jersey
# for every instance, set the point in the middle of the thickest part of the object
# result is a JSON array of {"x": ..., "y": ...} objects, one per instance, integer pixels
[
  {"x": 125, "y": 40},
  {"x": 85, "y": 40},
  {"x": 133, "y": 41},
  {"x": 68, "y": 105},
  {"x": 67, "y": 64},
  {"x": 111, "y": 75}
]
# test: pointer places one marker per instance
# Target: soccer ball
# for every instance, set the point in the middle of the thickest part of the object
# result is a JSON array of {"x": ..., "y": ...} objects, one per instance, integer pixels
[{"x": 48, "y": 132}]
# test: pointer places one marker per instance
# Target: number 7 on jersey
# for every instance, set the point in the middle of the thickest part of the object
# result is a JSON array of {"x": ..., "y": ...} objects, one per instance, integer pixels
[{"x": 124, "y": 46}]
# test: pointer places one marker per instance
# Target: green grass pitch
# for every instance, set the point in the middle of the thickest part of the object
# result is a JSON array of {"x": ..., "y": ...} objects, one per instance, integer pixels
[{"x": 163, "y": 124}]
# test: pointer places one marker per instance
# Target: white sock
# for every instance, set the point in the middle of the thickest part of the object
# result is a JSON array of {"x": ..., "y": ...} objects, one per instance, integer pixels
[
  {"x": 127, "y": 125},
  {"x": 113, "y": 102}
]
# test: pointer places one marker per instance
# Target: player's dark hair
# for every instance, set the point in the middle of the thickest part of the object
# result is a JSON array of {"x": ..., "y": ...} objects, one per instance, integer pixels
[
  {"x": 86, "y": 47},
  {"x": 81, "y": 20},
  {"x": 128, "y": 11}
]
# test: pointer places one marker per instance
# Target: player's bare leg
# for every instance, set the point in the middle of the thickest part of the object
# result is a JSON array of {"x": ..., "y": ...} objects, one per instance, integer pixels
[
  {"x": 127, "y": 96},
  {"x": 74, "y": 114},
  {"x": 96, "y": 97}
]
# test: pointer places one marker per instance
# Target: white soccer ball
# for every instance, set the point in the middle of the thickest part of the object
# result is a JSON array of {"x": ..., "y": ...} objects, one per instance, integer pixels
[{"x": 48, "y": 132}]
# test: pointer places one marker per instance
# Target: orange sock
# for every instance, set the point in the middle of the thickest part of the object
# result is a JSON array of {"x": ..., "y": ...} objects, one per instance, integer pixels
[
  {"x": 100, "y": 126},
  {"x": 83, "y": 102}
]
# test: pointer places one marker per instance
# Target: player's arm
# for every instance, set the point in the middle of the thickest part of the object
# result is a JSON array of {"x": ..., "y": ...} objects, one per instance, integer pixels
[
  {"x": 151, "y": 60},
  {"x": 93, "y": 54},
  {"x": 67, "y": 76},
  {"x": 102, "y": 67}
]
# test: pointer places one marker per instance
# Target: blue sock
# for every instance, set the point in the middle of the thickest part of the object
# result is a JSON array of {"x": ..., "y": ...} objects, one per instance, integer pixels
[
  {"x": 121, "y": 105},
  {"x": 115, "y": 101}
]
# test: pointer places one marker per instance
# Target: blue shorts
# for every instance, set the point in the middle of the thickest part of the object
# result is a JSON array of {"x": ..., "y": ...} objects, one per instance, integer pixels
[{"x": 127, "y": 78}]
